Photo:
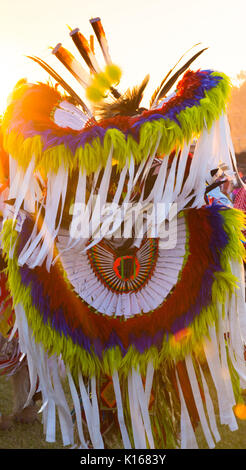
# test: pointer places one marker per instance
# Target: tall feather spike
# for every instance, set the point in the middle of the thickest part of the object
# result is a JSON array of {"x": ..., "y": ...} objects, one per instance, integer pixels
[
  {"x": 101, "y": 37},
  {"x": 85, "y": 50},
  {"x": 74, "y": 67},
  {"x": 92, "y": 43}
]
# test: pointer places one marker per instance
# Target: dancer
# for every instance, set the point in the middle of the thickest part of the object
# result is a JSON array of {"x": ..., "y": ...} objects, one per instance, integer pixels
[{"x": 114, "y": 261}]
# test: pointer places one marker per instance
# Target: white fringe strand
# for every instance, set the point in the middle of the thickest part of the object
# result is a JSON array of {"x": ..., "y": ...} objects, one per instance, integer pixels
[{"x": 187, "y": 435}]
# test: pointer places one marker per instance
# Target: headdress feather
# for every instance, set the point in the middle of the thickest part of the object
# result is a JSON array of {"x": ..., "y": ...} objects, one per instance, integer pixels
[
  {"x": 125, "y": 105},
  {"x": 61, "y": 82},
  {"x": 85, "y": 50},
  {"x": 74, "y": 67},
  {"x": 101, "y": 37},
  {"x": 164, "y": 87}
]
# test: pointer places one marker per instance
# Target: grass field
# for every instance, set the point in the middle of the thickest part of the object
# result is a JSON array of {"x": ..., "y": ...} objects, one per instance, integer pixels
[
  {"x": 21, "y": 436},
  {"x": 30, "y": 436}
]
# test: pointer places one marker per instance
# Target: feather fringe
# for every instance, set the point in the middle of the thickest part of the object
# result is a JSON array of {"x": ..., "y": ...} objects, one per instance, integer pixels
[
  {"x": 171, "y": 189},
  {"x": 191, "y": 122}
]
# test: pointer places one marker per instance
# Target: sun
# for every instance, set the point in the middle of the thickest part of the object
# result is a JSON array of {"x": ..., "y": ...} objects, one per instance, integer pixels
[
  {"x": 9, "y": 77},
  {"x": 5, "y": 90},
  {"x": 14, "y": 67}
]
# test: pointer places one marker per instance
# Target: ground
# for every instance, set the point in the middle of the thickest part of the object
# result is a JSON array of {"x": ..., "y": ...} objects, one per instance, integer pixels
[
  {"x": 30, "y": 436},
  {"x": 21, "y": 436}
]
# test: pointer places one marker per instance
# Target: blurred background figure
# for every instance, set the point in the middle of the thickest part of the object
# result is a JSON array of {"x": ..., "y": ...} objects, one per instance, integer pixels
[
  {"x": 240, "y": 200},
  {"x": 220, "y": 190}
]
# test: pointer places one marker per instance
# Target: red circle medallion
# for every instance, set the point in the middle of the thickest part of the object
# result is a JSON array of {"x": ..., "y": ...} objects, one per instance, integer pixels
[{"x": 126, "y": 267}]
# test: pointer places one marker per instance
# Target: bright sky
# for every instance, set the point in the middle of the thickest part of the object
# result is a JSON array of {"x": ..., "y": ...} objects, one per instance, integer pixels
[{"x": 145, "y": 36}]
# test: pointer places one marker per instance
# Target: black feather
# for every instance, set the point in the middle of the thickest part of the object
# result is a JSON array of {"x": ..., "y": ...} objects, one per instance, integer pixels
[
  {"x": 164, "y": 88},
  {"x": 156, "y": 92},
  {"x": 126, "y": 105},
  {"x": 62, "y": 82}
]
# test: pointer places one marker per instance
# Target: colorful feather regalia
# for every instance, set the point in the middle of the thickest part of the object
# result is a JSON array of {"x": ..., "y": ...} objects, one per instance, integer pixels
[
  {"x": 115, "y": 263},
  {"x": 10, "y": 354}
]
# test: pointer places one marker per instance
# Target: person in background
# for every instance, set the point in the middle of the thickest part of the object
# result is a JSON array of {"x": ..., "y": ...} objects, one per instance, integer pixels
[
  {"x": 237, "y": 186},
  {"x": 240, "y": 201},
  {"x": 221, "y": 191}
]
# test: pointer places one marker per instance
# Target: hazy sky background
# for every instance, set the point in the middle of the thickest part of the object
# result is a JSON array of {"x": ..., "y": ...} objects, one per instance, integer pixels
[{"x": 145, "y": 36}]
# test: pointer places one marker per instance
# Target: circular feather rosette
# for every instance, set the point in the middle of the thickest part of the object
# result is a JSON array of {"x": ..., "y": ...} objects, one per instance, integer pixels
[{"x": 117, "y": 299}]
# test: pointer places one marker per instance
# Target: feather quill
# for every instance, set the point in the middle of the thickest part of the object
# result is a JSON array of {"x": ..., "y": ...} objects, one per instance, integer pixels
[
  {"x": 164, "y": 87},
  {"x": 74, "y": 67},
  {"x": 101, "y": 37},
  {"x": 85, "y": 50},
  {"x": 61, "y": 82},
  {"x": 153, "y": 97}
]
